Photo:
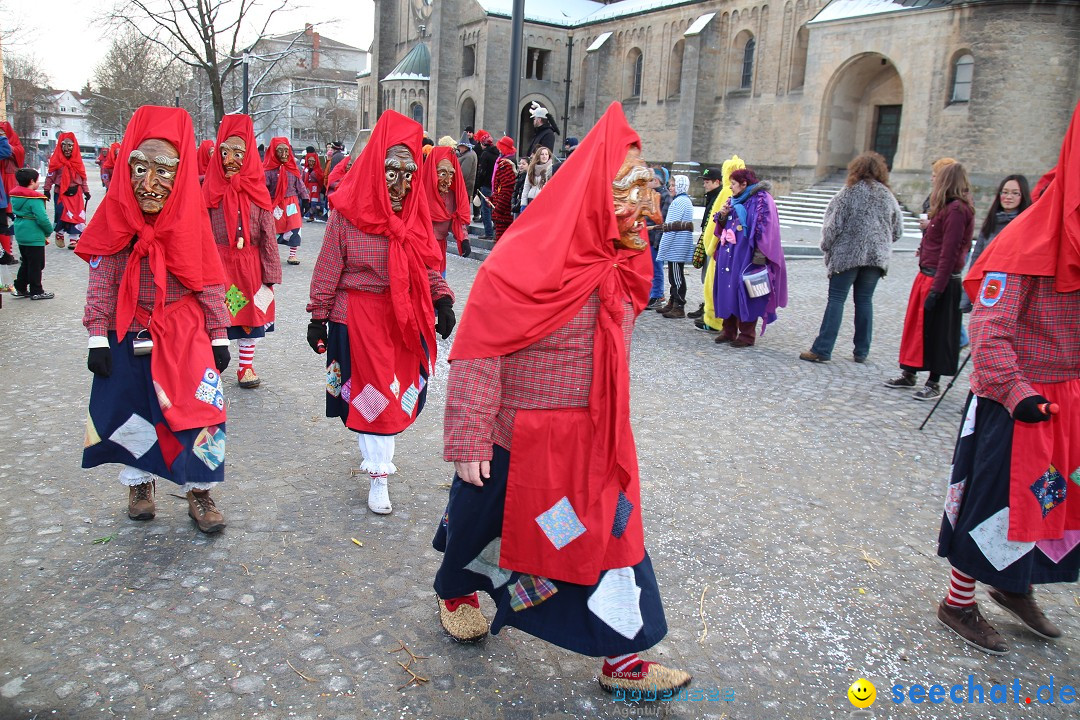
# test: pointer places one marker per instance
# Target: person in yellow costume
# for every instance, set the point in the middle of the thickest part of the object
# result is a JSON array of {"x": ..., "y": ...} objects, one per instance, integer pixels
[{"x": 730, "y": 166}]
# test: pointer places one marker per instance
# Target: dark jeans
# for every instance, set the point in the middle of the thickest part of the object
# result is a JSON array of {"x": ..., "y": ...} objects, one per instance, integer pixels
[
  {"x": 864, "y": 279},
  {"x": 657, "y": 290},
  {"x": 28, "y": 279},
  {"x": 485, "y": 212}
]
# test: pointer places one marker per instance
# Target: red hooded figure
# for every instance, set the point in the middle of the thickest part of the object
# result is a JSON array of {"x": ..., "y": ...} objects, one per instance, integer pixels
[
  {"x": 205, "y": 153},
  {"x": 285, "y": 186},
  {"x": 67, "y": 175},
  {"x": 450, "y": 211},
  {"x": 108, "y": 164}
]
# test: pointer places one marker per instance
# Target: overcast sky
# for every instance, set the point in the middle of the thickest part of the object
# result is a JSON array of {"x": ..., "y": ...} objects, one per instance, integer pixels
[{"x": 63, "y": 36}]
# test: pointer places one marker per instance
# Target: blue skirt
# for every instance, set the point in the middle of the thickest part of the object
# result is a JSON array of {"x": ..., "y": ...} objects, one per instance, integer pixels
[
  {"x": 125, "y": 425},
  {"x": 240, "y": 332},
  {"x": 622, "y": 613}
]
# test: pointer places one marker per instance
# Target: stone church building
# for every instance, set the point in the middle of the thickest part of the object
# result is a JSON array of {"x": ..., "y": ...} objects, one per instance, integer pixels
[{"x": 795, "y": 87}]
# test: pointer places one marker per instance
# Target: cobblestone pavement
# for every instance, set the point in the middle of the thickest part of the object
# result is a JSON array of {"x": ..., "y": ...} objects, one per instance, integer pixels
[{"x": 791, "y": 511}]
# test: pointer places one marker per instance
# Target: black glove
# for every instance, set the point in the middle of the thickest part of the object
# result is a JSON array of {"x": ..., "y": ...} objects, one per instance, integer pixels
[
  {"x": 931, "y": 301},
  {"x": 221, "y": 357},
  {"x": 99, "y": 361},
  {"x": 466, "y": 248},
  {"x": 445, "y": 320},
  {"x": 86, "y": 195},
  {"x": 72, "y": 191},
  {"x": 1027, "y": 410},
  {"x": 316, "y": 336}
]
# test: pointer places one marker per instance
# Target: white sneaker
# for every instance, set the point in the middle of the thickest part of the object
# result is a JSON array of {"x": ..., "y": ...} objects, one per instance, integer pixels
[{"x": 378, "y": 499}]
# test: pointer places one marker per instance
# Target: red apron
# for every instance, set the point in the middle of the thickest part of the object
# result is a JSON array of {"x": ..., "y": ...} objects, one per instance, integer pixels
[
  {"x": 313, "y": 191},
  {"x": 1044, "y": 486},
  {"x": 911, "y": 342},
  {"x": 249, "y": 301},
  {"x": 74, "y": 208},
  {"x": 287, "y": 215},
  {"x": 554, "y": 524},
  {"x": 386, "y": 376},
  {"x": 188, "y": 387}
]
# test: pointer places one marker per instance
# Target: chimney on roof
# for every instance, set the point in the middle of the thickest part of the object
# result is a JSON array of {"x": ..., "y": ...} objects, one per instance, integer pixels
[{"x": 315, "y": 50}]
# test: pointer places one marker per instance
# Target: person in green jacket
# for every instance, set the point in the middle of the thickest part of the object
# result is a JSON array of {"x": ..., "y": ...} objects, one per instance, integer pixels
[{"x": 32, "y": 227}]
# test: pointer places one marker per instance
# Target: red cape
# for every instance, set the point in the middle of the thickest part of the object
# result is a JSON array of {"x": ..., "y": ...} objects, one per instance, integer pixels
[
  {"x": 429, "y": 183},
  {"x": 178, "y": 239},
  {"x": 247, "y": 186},
  {"x": 206, "y": 151},
  {"x": 18, "y": 152},
  {"x": 271, "y": 162},
  {"x": 317, "y": 171},
  {"x": 1045, "y": 239},
  {"x": 110, "y": 157},
  {"x": 70, "y": 169}
]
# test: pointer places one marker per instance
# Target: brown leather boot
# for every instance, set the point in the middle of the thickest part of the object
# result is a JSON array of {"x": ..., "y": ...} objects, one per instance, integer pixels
[
  {"x": 667, "y": 306},
  {"x": 1026, "y": 610},
  {"x": 141, "y": 501},
  {"x": 677, "y": 311},
  {"x": 972, "y": 627},
  {"x": 204, "y": 512}
]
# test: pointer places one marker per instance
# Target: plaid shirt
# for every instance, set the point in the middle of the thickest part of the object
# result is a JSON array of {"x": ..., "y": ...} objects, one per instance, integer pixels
[
  {"x": 293, "y": 184},
  {"x": 261, "y": 225},
  {"x": 103, "y": 290},
  {"x": 484, "y": 394},
  {"x": 53, "y": 178},
  {"x": 1031, "y": 334},
  {"x": 353, "y": 260}
]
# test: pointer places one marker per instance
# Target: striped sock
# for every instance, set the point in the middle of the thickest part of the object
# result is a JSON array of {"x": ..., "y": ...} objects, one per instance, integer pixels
[
  {"x": 247, "y": 355},
  {"x": 629, "y": 667},
  {"x": 292, "y": 251},
  {"x": 961, "y": 589}
]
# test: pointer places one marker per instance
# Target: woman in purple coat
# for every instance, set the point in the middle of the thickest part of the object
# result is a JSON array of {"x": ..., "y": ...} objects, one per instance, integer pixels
[{"x": 749, "y": 242}]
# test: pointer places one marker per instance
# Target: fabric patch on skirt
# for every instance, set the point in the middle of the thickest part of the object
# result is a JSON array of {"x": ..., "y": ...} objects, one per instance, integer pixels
[
  {"x": 263, "y": 298},
  {"x": 370, "y": 402},
  {"x": 408, "y": 399},
  {"x": 1049, "y": 490},
  {"x": 209, "y": 390},
  {"x": 487, "y": 564},
  {"x": 136, "y": 436},
  {"x": 162, "y": 398},
  {"x": 1059, "y": 548},
  {"x": 992, "y": 288},
  {"x": 622, "y": 515},
  {"x": 529, "y": 591},
  {"x": 1075, "y": 476},
  {"x": 346, "y": 389},
  {"x": 170, "y": 446},
  {"x": 90, "y": 437},
  {"x": 235, "y": 300},
  {"x": 952, "y": 500},
  {"x": 333, "y": 378},
  {"x": 969, "y": 417},
  {"x": 616, "y": 601},
  {"x": 560, "y": 523},
  {"x": 992, "y": 537},
  {"x": 395, "y": 387},
  {"x": 210, "y": 446}
]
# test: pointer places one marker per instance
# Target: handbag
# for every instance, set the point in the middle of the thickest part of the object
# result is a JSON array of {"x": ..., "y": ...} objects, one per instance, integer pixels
[
  {"x": 476, "y": 201},
  {"x": 699, "y": 253}
]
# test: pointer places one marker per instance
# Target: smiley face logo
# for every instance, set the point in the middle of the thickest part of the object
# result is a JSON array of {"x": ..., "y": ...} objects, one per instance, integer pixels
[{"x": 862, "y": 693}]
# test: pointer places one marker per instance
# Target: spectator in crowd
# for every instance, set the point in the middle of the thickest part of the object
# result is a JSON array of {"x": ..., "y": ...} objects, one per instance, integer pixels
[
  {"x": 12, "y": 157},
  {"x": 503, "y": 179},
  {"x": 653, "y": 220},
  {"x": 32, "y": 228},
  {"x": 861, "y": 223},
  {"x": 677, "y": 245},
  {"x": 467, "y": 160},
  {"x": 1013, "y": 197},
  {"x": 485, "y": 169},
  {"x": 537, "y": 173},
  {"x": 711, "y": 179},
  {"x": 519, "y": 186},
  {"x": 545, "y": 128}
]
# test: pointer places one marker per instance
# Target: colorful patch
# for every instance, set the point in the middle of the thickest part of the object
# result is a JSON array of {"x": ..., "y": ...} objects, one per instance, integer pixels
[
  {"x": 290, "y": 209},
  {"x": 346, "y": 390},
  {"x": 617, "y": 602},
  {"x": 421, "y": 382},
  {"x": 969, "y": 417},
  {"x": 487, "y": 564},
  {"x": 953, "y": 496},
  {"x": 278, "y": 212},
  {"x": 90, "y": 437},
  {"x": 623, "y": 508},
  {"x": 163, "y": 400},
  {"x": 263, "y": 298},
  {"x": 235, "y": 300},
  {"x": 408, "y": 399},
  {"x": 1059, "y": 548},
  {"x": 210, "y": 446},
  {"x": 95, "y": 261},
  {"x": 992, "y": 287},
  {"x": 1049, "y": 490},
  {"x": 370, "y": 402},
  {"x": 395, "y": 387},
  {"x": 561, "y": 524},
  {"x": 170, "y": 446},
  {"x": 1075, "y": 476},
  {"x": 136, "y": 436},
  {"x": 529, "y": 591},
  {"x": 992, "y": 537},
  {"x": 333, "y": 379},
  {"x": 209, "y": 390}
]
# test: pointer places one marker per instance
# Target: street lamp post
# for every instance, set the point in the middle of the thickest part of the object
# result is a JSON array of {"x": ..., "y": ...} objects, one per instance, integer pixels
[
  {"x": 244, "y": 75},
  {"x": 177, "y": 102},
  {"x": 517, "y": 26}
]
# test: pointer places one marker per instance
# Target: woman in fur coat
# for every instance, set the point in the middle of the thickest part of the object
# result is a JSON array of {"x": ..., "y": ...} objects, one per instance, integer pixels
[{"x": 861, "y": 224}]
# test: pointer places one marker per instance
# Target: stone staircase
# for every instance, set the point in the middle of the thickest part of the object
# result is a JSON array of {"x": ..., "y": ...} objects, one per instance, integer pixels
[{"x": 806, "y": 208}]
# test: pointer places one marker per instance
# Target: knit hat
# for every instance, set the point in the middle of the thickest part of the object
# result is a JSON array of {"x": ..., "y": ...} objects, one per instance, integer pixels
[
  {"x": 571, "y": 142},
  {"x": 506, "y": 145},
  {"x": 483, "y": 137},
  {"x": 661, "y": 175},
  {"x": 682, "y": 184},
  {"x": 446, "y": 141}
]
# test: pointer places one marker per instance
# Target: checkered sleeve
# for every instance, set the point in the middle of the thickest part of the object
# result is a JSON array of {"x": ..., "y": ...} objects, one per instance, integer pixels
[
  {"x": 262, "y": 225},
  {"x": 212, "y": 299},
  {"x": 51, "y": 179},
  {"x": 473, "y": 395},
  {"x": 439, "y": 286},
  {"x": 997, "y": 374},
  {"x": 328, "y": 268},
  {"x": 102, "y": 289},
  {"x": 298, "y": 187}
]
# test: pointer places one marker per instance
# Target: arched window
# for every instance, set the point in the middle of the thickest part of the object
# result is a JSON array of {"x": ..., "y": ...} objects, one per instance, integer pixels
[
  {"x": 468, "y": 60},
  {"x": 963, "y": 71},
  {"x": 675, "y": 70},
  {"x": 747, "y": 78},
  {"x": 635, "y": 64},
  {"x": 468, "y": 114},
  {"x": 798, "y": 58},
  {"x": 416, "y": 112}
]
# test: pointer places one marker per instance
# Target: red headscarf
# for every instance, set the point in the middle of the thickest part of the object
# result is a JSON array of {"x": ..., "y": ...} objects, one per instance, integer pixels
[
  {"x": 18, "y": 152},
  {"x": 271, "y": 162},
  {"x": 429, "y": 182},
  {"x": 177, "y": 240},
  {"x": 362, "y": 199},
  {"x": 525, "y": 289},
  {"x": 1044, "y": 182},
  {"x": 316, "y": 171},
  {"x": 206, "y": 151},
  {"x": 71, "y": 167},
  {"x": 1045, "y": 239},
  {"x": 110, "y": 157},
  {"x": 246, "y": 186}
]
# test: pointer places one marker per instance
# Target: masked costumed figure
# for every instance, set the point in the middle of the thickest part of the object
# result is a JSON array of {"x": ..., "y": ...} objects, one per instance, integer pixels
[
  {"x": 12, "y": 157},
  {"x": 155, "y": 311},
  {"x": 448, "y": 200},
  {"x": 67, "y": 180},
  {"x": 287, "y": 190},
  {"x": 377, "y": 283},
  {"x": 108, "y": 164},
  {"x": 243, "y": 223},
  {"x": 1012, "y": 511},
  {"x": 313, "y": 180},
  {"x": 206, "y": 156},
  {"x": 545, "y": 508}
]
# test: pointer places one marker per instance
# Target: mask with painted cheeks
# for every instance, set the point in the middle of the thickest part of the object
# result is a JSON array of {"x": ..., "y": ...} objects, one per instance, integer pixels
[
  {"x": 153, "y": 168},
  {"x": 399, "y": 167},
  {"x": 281, "y": 152},
  {"x": 633, "y": 200},
  {"x": 445, "y": 172},
  {"x": 232, "y": 153},
  {"x": 67, "y": 147}
]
